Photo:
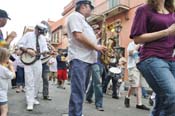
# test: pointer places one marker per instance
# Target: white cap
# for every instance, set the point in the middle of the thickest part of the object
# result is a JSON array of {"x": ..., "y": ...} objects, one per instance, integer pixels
[{"x": 41, "y": 26}]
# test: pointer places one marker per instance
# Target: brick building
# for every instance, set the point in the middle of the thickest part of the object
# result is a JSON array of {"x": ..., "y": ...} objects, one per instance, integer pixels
[{"x": 111, "y": 9}]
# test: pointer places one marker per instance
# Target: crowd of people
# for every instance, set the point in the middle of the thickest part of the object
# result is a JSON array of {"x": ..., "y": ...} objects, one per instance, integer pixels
[
  {"x": 25, "y": 73},
  {"x": 150, "y": 61}
]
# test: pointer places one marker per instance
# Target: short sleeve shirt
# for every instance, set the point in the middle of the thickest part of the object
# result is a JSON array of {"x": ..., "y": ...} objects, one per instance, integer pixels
[
  {"x": 60, "y": 64},
  {"x": 131, "y": 60},
  {"x": 5, "y": 75},
  {"x": 147, "y": 20},
  {"x": 76, "y": 23},
  {"x": 53, "y": 64}
]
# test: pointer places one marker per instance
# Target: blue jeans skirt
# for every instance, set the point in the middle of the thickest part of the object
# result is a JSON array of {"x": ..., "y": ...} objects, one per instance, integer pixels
[
  {"x": 20, "y": 81},
  {"x": 160, "y": 75}
]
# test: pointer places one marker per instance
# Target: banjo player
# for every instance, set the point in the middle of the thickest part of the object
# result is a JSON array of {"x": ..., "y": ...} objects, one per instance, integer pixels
[{"x": 33, "y": 72}]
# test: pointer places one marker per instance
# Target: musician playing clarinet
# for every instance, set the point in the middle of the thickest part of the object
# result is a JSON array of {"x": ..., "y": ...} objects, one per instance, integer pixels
[{"x": 36, "y": 41}]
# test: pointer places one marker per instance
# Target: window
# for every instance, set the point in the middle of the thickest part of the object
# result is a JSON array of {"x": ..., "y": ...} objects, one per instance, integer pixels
[
  {"x": 60, "y": 35},
  {"x": 113, "y": 3},
  {"x": 56, "y": 38}
]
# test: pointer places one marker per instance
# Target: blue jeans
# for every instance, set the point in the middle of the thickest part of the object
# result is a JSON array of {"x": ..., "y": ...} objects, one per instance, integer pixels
[
  {"x": 144, "y": 92},
  {"x": 79, "y": 83},
  {"x": 96, "y": 86},
  {"x": 103, "y": 72},
  {"x": 160, "y": 75},
  {"x": 20, "y": 81},
  {"x": 114, "y": 85}
]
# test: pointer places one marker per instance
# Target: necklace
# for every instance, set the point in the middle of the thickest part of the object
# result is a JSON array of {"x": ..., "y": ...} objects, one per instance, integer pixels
[{"x": 163, "y": 11}]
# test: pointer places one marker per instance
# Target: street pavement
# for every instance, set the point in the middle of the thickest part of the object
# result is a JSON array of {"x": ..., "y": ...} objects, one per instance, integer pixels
[{"x": 59, "y": 105}]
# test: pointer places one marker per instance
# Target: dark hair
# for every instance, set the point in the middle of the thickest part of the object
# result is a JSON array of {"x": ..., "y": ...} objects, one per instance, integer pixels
[
  {"x": 169, "y": 5},
  {"x": 77, "y": 7}
]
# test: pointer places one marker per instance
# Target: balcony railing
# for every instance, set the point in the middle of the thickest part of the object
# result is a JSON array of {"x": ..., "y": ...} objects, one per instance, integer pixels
[{"x": 109, "y": 5}]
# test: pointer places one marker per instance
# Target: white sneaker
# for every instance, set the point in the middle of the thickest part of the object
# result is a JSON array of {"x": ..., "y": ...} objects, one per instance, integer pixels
[
  {"x": 36, "y": 102},
  {"x": 30, "y": 107}
]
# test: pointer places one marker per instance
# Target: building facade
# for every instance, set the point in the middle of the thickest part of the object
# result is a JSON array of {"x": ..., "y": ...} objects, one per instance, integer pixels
[
  {"x": 111, "y": 10},
  {"x": 106, "y": 14},
  {"x": 59, "y": 34}
]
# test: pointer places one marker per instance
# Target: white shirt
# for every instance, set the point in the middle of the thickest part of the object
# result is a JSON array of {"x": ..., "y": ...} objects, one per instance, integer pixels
[
  {"x": 76, "y": 23},
  {"x": 18, "y": 62},
  {"x": 131, "y": 59},
  {"x": 53, "y": 64},
  {"x": 5, "y": 75},
  {"x": 29, "y": 41}
]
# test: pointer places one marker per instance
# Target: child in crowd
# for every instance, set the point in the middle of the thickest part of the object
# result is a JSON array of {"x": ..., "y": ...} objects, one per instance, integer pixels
[
  {"x": 122, "y": 64},
  {"x": 61, "y": 68},
  {"x": 6, "y": 72},
  {"x": 53, "y": 68}
]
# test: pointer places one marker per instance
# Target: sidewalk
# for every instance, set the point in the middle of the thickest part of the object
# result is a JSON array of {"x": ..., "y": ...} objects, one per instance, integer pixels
[{"x": 59, "y": 105}]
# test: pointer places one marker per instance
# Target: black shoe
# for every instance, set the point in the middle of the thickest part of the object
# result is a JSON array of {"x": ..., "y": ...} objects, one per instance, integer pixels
[
  {"x": 115, "y": 97},
  {"x": 104, "y": 91},
  {"x": 142, "y": 107},
  {"x": 99, "y": 108},
  {"x": 89, "y": 101},
  {"x": 62, "y": 87},
  {"x": 14, "y": 87},
  {"x": 47, "y": 98},
  {"x": 127, "y": 102}
]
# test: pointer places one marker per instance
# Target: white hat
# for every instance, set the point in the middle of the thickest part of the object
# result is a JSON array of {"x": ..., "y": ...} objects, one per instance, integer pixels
[{"x": 41, "y": 26}]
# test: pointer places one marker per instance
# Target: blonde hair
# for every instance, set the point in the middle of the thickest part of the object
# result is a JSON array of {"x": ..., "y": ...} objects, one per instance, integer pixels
[
  {"x": 4, "y": 54},
  {"x": 169, "y": 5}
]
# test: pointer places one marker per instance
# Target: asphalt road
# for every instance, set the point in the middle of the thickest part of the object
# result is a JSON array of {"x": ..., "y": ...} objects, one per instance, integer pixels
[{"x": 59, "y": 105}]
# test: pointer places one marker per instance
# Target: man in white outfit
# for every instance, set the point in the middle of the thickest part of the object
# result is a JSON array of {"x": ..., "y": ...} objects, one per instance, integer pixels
[
  {"x": 33, "y": 72},
  {"x": 134, "y": 76}
]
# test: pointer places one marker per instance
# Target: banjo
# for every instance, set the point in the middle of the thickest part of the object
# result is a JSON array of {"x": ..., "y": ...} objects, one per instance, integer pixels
[
  {"x": 27, "y": 59},
  {"x": 48, "y": 55}
]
